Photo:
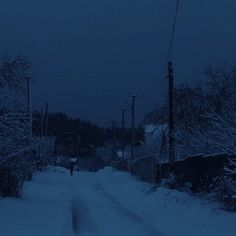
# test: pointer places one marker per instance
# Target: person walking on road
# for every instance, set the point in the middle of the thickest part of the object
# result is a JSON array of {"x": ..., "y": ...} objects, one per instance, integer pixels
[{"x": 71, "y": 167}]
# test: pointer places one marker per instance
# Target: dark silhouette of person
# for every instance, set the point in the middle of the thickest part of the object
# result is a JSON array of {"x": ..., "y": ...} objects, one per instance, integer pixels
[{"x": 71, "y": 168}]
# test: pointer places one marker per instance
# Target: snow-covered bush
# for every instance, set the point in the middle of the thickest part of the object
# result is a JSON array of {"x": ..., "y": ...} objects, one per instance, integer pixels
[
  {"x": 218, "y": 137},
  {"x": 226, "y": 192},
  {"x": 10, "y": 182}
]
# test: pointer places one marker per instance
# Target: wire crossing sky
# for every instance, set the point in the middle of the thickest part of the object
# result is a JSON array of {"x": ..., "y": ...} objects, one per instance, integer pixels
[
  {"x": 173, "y": 32},
  {"x": 89, "y": 56}
]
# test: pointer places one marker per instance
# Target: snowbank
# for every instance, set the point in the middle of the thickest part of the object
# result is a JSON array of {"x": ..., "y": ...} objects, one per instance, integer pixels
[
  {"x": 43, "y": 210},
  {"x": 167, "y": 212}
]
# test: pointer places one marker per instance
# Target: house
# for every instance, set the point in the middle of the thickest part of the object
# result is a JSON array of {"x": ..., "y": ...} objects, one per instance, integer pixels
[{"x": 156, "y": 140}]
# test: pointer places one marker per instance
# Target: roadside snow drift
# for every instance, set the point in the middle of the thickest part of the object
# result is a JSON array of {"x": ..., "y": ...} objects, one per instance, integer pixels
[{"x": 43, "y": 210}]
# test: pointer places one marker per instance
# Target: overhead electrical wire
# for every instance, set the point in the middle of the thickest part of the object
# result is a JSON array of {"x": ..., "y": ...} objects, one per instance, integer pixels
[
  {"x": 152, "y": 90},
  {"x": 149, "y": 92},
  {"x": 172, "y": 37},
  {"x": 170, "y": 47}
]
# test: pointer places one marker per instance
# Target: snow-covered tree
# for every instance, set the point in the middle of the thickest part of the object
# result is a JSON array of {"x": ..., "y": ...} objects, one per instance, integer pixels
[
  {"x": 204, "y": 120},
  {"x": 15, "y": 147}
]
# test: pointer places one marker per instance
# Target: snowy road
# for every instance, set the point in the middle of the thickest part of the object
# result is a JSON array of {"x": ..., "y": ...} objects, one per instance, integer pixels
[
  {"x": 108, "y": 203},
  {"x": 100, "y": 212},
  {"x": 114, "y": 203}
]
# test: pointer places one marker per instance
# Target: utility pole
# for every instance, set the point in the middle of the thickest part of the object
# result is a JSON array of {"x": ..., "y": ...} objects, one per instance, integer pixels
[
  {"x": 123, "y": 133},
  {"x": 133, "y": 126},
  {"x": 171, "y": 114},
  {"x": 42, "y": 123},
  {"x": 41, "y": 146},
  {"x": 46, "y": 144},
  {"x": 29, "y": 105},
  {"x": 46, "y": 120},
  {"x": 114, "y": 140}
]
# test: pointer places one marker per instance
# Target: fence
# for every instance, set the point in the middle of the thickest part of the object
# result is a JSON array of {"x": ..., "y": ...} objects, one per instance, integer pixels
[
  {"x": 201, "y": 172},
  {"x": 145, "y": 169}
]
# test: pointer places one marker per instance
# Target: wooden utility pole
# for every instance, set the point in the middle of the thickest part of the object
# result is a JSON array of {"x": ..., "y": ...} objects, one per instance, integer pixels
[
  {"x": 29, "y": 105},
  {"x": 42, "y": 123},
  {"x": 46, "y": 120},
  {"x": 133, "y": 126},
  {"x": 123, "y": 133},
  {"x": 114, "y": 140},
  {"x": 46, "y": 142},
  {"x": 41, "y": 145},
  {"x": 171, "y": 114}
]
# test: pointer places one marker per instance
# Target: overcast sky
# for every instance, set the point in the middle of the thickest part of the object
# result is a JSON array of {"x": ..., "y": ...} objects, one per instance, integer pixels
[{"x": 89, "y": 56}]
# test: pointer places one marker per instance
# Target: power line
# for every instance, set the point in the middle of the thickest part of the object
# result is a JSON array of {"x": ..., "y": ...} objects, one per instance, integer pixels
[
  {"x": 171, "y": 120},
  {"x": 133, "y": 126},
  {"x": 171, "y": 123},
  {"x": 152, "y": 91},
  {"x": 169, "y": 54},
  {"x": 173, "y": 32},
  {"x": 149, "y": 103},
  {"x": 153, "y": 82}
]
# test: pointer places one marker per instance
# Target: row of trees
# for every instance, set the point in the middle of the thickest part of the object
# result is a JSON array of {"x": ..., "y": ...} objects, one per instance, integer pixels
[
  {"x": 21, "y": 152},
  {"x": 205, "y": 118},
  {"x": 79, "y": 137},
  {"x": 16, "y": 149}
]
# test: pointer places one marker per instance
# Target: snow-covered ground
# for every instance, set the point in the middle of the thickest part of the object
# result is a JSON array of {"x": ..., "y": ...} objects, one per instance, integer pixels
[
  {"x": 43, "y": 210},
  {"x": 108, "y": 203}
]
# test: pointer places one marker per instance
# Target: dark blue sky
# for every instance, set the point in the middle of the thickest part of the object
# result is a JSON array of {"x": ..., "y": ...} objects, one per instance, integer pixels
[{"x": 89, "y": 55}]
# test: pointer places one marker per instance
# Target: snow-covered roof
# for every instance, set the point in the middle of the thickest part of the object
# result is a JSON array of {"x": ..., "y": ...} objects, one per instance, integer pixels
[
  {"x": 153, "y": 128},
  {"x": 153, "y": 131}
]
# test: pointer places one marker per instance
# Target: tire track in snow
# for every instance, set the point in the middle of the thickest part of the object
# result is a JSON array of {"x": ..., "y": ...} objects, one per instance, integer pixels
[
  {"x": 81, "y": 220},
  {"x": 75, "y": 217},
  {"x": 151, "y": 231}
]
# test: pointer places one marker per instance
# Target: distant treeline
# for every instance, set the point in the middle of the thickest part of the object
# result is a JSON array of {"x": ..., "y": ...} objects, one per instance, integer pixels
[{"x": 79, "y": 137}]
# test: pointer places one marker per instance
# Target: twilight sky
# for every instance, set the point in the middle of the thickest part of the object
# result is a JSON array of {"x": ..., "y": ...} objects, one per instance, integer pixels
[{"x": 89, "y": 56}]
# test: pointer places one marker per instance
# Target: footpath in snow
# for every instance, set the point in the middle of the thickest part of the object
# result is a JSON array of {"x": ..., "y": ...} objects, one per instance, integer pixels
[{"x": 108, "y": 203}]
